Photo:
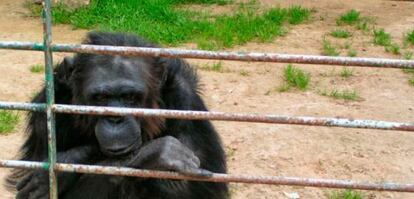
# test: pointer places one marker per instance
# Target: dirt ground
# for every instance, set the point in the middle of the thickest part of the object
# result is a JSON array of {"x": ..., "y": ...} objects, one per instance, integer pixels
[{"x": 265, "y": 149}]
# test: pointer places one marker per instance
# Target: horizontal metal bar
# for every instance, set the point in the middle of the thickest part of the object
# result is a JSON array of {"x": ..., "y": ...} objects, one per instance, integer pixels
[
  {"x": 206, "y": 115},
  {"x": 22, "y": 106},
  {"x": 216, "y": 177},
  {"x": 24, "y": 164},
  {"x": 202, "y": 54},
  {"x": 240, "y": 117}
]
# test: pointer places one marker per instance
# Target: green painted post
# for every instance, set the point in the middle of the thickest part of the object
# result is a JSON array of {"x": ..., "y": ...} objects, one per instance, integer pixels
[{"x": 50, "y": 97}]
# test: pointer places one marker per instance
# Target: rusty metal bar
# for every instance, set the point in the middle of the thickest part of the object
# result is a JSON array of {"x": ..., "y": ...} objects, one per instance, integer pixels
[
  {"x": 216, "y": 177},
  {"x": 240, "y": 117},
  {"x": 23, "y": 106},
  {"x": 50, "y": 97},
  {"x": 202, "y": 54},
  {"x": 206, "y": 115}
]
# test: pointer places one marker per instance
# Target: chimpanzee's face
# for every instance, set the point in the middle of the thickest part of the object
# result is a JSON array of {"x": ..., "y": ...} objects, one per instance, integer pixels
[{"x": 118, "y": 82}]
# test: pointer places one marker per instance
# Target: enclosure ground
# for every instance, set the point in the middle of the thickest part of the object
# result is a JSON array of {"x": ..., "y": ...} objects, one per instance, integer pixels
[{"x": 265, "y": 149}]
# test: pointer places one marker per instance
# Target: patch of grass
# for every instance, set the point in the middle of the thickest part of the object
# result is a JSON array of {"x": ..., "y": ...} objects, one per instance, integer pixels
[
  {"x": 218, "y": 2},
  {"x": 382, "y": 38},
  {"x": 216, "y": 67},
  {"x": 294, "y": 77},
  {"x": 393, "y": 48},
  {"x": 409, "y": 37},
  {"x": 35, "y": 9},
  {"x": 349, "y": 18},
  {"x": 363, "y": 26},
  {"x": 8, "y": 120},
  {"x": 347, "y": 194},
  {"x": 348, "y": 95},
  {"x": 340, "y": 33},
  {"x": 408, "y": 71},
  {"x": 244, "y": 73},
  {"x": 411, "y": 81},
  {"x": 297, "y": 14},
  {"x": 352, "y": 53},
  {"x": 345, "y": 73},
  {"x": 347, "y": 45},
  {"x": 408, "y": 55},
  {"x": 328, "y": 49},
  {"x": 164, "y": 22},
  {"x": 283, "y": 88},
  {"x": 37, "y": 68}
]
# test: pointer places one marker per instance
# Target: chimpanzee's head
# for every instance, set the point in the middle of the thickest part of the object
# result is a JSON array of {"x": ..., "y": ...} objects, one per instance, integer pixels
[{"x": 116, "y": 81}]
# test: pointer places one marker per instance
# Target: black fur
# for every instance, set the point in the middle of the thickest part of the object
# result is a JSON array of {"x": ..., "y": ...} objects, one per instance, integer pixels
[{"x": 173, "y": 85}]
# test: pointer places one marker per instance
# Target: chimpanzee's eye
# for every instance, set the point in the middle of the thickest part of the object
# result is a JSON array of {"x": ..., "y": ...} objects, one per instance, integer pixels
[
  {"x": 129, "y": 97},
  {"x": 100, "y": 97}
]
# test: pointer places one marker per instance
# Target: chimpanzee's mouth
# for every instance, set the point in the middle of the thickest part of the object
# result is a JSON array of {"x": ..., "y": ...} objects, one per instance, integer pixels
[{"x": 120, "y": 151}]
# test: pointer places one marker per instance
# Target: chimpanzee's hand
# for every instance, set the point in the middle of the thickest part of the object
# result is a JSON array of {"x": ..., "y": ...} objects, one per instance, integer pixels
[
  {"x": 35, "y": 184},
  {"x": 168, "y": 154}
]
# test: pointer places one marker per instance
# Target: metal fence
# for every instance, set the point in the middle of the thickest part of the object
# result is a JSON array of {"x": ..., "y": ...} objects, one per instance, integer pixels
[{"x": 50, "y": 108}]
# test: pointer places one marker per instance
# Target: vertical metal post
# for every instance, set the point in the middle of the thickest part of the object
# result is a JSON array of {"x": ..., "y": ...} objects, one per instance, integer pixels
[{"x": 50, "y": 97}]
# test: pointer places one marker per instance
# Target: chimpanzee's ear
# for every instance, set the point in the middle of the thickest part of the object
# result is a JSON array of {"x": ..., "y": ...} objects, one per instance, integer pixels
[{"x": 64, "y": 71}]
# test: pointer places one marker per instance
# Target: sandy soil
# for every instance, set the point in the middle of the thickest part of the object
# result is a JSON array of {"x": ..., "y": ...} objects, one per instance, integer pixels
[{"x": 264, "y": 149}]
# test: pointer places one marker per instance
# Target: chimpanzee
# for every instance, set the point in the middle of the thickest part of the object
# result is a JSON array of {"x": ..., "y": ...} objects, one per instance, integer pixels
[{"x": 190, "y": 147}]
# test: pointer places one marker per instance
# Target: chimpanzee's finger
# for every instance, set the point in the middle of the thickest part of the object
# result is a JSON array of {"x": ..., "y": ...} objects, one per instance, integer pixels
[{"x": 22, "y": 183}]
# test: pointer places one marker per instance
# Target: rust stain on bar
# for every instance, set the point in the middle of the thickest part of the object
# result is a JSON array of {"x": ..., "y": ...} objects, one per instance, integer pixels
[
  {"x": 241, "y": 117},
  {"x": 202, "y": 54},
  {"x": 205, "y": 115},
  {"x": 217, "y": 177}
]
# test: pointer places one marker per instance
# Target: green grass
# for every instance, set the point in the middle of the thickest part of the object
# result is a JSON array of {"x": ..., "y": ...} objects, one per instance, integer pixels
[
  {"x": 216, "y": 67},
  {"x": 35, "y": 9},
  {"x": 244, "y": 73},
  {"x": 340, "y": 33},
  {"x": 409, "y": 37},
  {"x": 347, "y": 194},
  {"x": 347, "y": 45},
  {"x": 165, "y": 22},
  {"x": 297, "y": 15},
  {"x": 363, "y": 26},
  {"x": 348, "y": 95},
  {"x": 393, "y": 48},
  {"x": 8, "y": 120},
  {"x": 382, "y": 38},
  {"x": 352, "y": 53},
  {"x": 283, "y": 88},
  {"x": 349, "y": 18},
  {"x": 408, "y": 71},
  {"x": 37, "y": 68},
  {"x": 408, "y": 55},
  {"x": 328, "y": 49},
  {"x": 345, "y": 73},
  {"x": 411, "y": 81},
  {"x": 294, "y": 77}
]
